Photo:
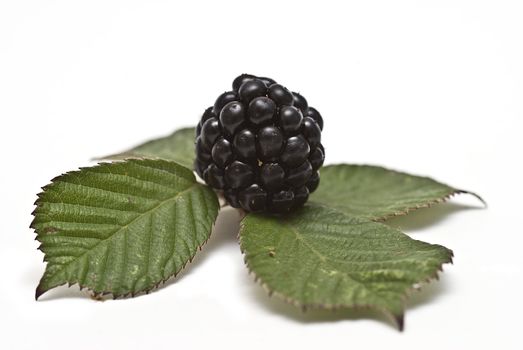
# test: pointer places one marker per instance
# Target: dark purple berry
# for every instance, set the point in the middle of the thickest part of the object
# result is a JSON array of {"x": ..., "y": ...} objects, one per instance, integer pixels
[
  {"x": 208, "y": 114},
  {"x": 290, "y": 119},
  {"x": 300, "y": 102},
  {"x": 252, "y": 89},
  {"x": 260, "y": 146},
  {"x": 200, "y": 167},
  {"x": 198, "y": 129},
  {"x": 210, "y": 132},
  {"x": 272, "y": 176},
  {"x": 296, "y": 151},
  {"x": 301, "y": 195},
  {"x": 238, "y": 175},
  {"x": 202, "y": 153},
  {"x": 261, "y": 110},
  {"x": 214, "y": 176},
  {"x": 312, "y": 132},
  {"x": 231, "y": 196},
  {"x": 232, "y": 116},
  {"x": 223, "y": 99},
  {"x": 222, "y": 153},
  {"x": 314, "y": 114},
  {"x": 316, "y": 158},
  {"x": 267, "y": 81},
  {"x": 253, "y": 198},
  {"x": 270, "y": 142},
  {"x": 245, "y": 145},
  {"x": 239, "y": 80},
  {"x": 314, "y": 182},
  {"x": 322, "y": 148},
  {"x": 282, "y": 201},
  {"x": 297, "y": 177},
  {"x": 280, "y": 95}
]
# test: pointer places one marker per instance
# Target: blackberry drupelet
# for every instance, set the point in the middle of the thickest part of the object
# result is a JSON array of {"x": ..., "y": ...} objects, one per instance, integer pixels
[{"x": 261, "y": 145}]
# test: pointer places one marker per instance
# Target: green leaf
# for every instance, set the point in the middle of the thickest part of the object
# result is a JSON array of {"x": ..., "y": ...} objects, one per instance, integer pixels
[
  {"x": 322, "y": 257},
  {"x": 122, "y": 228},
  {"x": 378, "y": 193},
  {"x": 178, "y": 147}
]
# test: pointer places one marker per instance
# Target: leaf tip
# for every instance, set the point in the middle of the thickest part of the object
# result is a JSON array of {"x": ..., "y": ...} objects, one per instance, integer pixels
[
  {"x": 477, "y": 196},
  {"x": 39, "y": 291},
  {"x": 400, "y": 321}
]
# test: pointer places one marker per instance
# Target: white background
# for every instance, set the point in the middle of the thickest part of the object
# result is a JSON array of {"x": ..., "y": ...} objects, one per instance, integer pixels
[{"x": 430, "y": 87}]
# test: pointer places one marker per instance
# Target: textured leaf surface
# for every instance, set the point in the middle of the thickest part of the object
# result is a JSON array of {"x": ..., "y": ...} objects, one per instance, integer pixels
[
  {"x": 178, "y": 147},
  {"x": 321, "y": 257},
  {"x": 378, "y": 193},
  {"x": 122, "y": 228}
]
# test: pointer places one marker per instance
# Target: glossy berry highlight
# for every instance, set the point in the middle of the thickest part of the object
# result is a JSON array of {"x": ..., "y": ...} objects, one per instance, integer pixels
[{"x": 260, "y": 145}]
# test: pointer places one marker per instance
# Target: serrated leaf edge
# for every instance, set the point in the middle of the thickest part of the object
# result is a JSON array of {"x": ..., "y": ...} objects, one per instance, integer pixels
[
  {"x": 428, "y": 204},
  {"x": 114, "y": 296},
  {"x": 100, "y": 295},
  {"x": 398, "y": 320},
  {"x": 408, "y": 210}
]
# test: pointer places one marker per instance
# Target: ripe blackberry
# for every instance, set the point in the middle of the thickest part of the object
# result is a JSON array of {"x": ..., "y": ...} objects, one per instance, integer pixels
[{"x": 261, "y": 145}]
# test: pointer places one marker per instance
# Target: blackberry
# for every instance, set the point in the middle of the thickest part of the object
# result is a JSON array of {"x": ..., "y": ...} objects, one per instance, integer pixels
[{"x": 260, "y": 144}]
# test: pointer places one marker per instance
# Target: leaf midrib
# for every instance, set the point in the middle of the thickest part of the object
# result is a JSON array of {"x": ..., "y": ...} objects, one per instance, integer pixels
[
  {"x": 326, "y": 260},
  {"x": 120, "y": 229}
]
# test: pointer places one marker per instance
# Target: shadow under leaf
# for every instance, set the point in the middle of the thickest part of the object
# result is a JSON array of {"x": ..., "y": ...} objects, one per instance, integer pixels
[{"x": 225, "y": 231}]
